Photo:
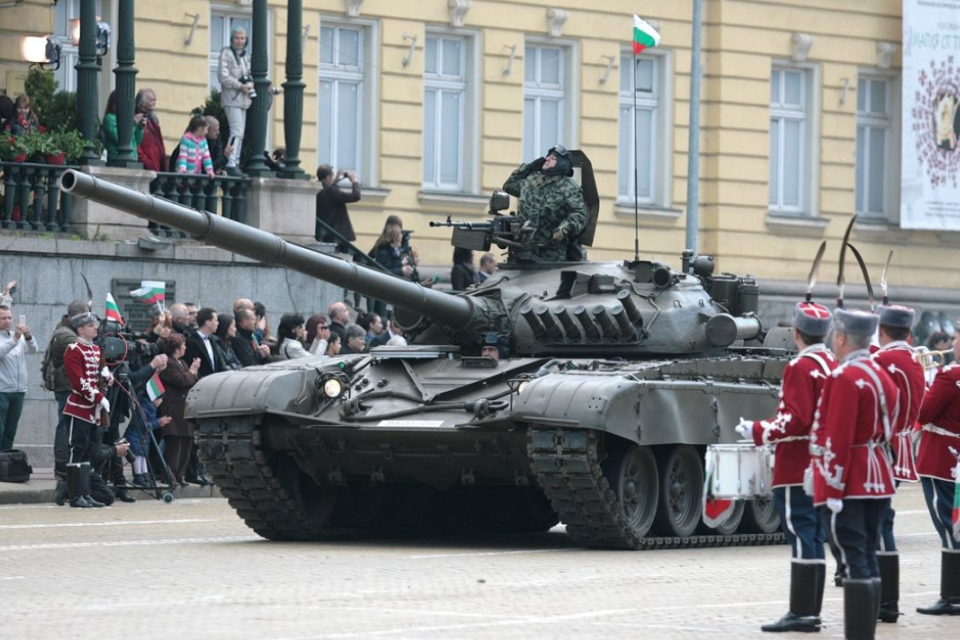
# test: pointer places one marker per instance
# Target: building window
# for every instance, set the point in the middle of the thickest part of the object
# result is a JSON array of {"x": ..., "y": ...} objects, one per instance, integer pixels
[
  {"x": 874, "y": 142},
  {"x": 222, "y": 25},
  {"x": 444, "y": 99},
  {"x": 544, "y": 83},
  {"x": 788, "y": 139},
  {"x": 341, "y": 116},
  {"x": 65, "y": 11},
  {"x": 640, "y": 128}
]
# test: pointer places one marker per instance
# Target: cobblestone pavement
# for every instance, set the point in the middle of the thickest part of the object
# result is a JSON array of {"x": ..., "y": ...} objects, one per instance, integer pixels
[{"x": 192, "y": 570}]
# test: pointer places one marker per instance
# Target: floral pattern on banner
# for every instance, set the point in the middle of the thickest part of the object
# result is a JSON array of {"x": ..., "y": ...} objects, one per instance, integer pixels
[{"x": 937, "y": 84}]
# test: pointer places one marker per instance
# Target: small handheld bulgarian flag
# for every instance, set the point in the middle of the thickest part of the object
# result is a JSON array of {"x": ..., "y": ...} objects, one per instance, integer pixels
[
  {"x": 955, "y": 516},
  {"x": 151, "y": 291},
  {"x": 644, "y": 36},
  {"x": 113, "y": 311},
  {"x": 155, "y": 388}
]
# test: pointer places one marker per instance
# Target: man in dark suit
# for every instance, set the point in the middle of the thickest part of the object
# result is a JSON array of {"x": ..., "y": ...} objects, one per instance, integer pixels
[
  {"x": 200, "y": 343},
  {"x": 332, "y": 203}
]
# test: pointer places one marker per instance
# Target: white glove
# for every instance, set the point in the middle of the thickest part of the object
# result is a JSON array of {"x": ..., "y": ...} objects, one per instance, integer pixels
[
  {"x": 105, "y": 404},
  {"x": 106, "y": 373},
  {"x": 745, "y": 429},
  {"x": 835, "y": 505}
]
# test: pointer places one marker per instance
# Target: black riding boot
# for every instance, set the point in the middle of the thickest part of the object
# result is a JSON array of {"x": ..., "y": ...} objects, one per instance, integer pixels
[
  {"x": 889, "y": 588},
  {"x": 62, "y": 494},
  {"x": 85, "y": 469},
  {"x": 949, "y": 602},
  {"x": 75, "y": 486},
  {"x": 821, "y": 583},
  {"x": 804, "y": 614},
  {"x": 859, "y": 609}
]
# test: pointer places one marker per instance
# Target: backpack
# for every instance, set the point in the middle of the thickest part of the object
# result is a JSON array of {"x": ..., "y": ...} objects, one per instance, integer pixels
[
  {"x": 47, "y": 370},
  {"x": 14, "y": 466}
]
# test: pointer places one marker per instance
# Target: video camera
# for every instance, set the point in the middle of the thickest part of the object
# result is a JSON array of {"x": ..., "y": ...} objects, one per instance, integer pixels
[{"x": 119, "y": 345}]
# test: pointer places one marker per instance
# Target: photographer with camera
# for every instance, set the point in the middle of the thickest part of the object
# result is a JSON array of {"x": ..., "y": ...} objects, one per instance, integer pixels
[
  {"x": 237, "y": 93},
  {"x": 131, "y": 362},
  {"x": 332, "y": 203}
]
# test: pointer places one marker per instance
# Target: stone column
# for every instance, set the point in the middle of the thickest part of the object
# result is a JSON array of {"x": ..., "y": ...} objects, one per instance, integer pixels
[
  {"x": 260, "y": 110},
  {"x": 293, "y": 91},
  {"x": 126, "y": 75},
  {"x": 88, "y": 104}
]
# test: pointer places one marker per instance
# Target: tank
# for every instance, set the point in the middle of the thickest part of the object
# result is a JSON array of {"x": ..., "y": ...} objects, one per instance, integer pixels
[{"x": 611, "y": 379}]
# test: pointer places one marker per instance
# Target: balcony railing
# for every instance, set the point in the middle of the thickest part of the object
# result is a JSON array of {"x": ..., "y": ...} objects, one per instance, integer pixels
[
  {"x": 30, "y": 200},
  {"x": 222, "y": 195}
]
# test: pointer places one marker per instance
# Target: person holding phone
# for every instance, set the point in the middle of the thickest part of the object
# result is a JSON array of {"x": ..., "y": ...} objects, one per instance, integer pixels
[
  {"x": 332, "y": 203},
  {"x": 15, "y": 344}
]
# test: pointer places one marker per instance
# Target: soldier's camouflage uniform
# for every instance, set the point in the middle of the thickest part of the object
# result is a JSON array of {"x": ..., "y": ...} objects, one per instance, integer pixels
[{"x": 551, "y": 203}]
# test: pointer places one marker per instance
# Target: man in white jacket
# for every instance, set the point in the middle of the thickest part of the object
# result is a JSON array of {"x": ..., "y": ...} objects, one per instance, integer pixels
[{"x": 13, "y": 373}]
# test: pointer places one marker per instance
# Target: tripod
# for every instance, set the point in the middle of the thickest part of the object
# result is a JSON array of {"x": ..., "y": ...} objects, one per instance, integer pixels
[{"x": 124, "y": 400}]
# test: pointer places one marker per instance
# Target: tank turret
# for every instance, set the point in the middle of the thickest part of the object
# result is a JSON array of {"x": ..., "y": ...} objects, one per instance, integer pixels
[{"x": 628, "y": 309}]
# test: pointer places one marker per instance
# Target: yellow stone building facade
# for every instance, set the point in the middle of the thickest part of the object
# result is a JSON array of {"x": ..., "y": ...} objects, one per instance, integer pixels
[{"x": 435, "y": 102}]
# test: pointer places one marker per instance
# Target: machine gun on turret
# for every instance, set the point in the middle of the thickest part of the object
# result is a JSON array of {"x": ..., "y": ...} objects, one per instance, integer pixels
[{"x": 504, "y": 231}]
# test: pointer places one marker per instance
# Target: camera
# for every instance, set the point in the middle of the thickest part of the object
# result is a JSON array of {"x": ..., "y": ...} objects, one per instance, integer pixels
[
  {"x": 128, "y": 456},
  {"x": 117, "y": 345},
  {"x": 248, "y": 80}
]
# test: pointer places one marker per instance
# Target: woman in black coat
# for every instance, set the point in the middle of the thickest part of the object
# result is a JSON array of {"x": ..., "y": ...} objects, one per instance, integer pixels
[
  {"x": 177, "y": 379},
  {"x": 464, "y": 274},
  {"x": 226, "y": 332}
]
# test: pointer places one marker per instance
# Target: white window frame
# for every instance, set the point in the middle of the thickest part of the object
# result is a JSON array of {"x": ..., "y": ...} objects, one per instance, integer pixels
[
  {"x": 809, "y": 117},
  {"x": 569, "y": 94},
  {"x": 661, "y": 148},
  {"x": 368, "y": 75},
  {"x": 891, "y": 124},
  {"x": 66, "y": 75},
  {"x": 468, "y": 87}
]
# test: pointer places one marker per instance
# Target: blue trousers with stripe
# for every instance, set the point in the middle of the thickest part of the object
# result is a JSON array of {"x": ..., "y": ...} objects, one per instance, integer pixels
[
  {"x": 802, "y": 525},
  {"x": 939, "y": 496}
]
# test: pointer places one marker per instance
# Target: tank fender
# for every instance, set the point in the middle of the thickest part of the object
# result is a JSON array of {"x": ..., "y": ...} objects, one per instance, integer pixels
[
  {"x": 644, "y": 411},
  {"x": 254, "y": 391}
]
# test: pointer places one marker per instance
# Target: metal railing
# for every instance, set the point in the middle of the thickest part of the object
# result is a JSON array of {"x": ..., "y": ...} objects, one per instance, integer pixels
[
  {"x": 222, "y": 195},
  {"x": 30, "y": 200}
]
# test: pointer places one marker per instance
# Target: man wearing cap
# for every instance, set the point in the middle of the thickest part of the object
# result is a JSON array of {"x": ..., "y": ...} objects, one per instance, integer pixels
[
  {"x": 896, "y": 357},
  {"x": 852, "y": 477},
  {"x": 551, "y": 200},
  {"x": 936, "y": 465},
  {"x": 81, "y": 362},
  {"x": 789, "y": 430}
]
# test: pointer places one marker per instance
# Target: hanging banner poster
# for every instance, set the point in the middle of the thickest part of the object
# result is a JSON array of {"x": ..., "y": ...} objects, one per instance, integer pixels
[{"x": 930, "y": 170}]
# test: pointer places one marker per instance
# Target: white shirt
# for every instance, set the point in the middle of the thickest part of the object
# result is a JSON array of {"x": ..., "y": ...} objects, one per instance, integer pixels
[
  {"x": 13, "y": 363},
  {"x": 209, "y": 345}
]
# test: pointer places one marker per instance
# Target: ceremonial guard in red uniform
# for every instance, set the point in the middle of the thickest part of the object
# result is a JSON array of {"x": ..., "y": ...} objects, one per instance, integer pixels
[
  {"x": 940, "y": 417},
  {"x": 852, "y": 476},
  {"x": 789, "y": 430},
  {"x": 897, "y": 358},
  {"x": 81, "y": 362}
]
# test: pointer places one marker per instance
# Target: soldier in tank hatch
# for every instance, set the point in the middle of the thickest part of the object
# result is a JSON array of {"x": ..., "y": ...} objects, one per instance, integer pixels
[
  {"x": 551, "y": 200},
  {"x": 789, "y": 430},
  {"x": 896, "y": 357},
  {"x": 852, "y": 476}
]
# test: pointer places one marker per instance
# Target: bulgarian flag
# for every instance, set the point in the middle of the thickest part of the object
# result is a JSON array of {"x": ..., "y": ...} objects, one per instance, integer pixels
[
  {"x": 155, "y": 388},
  {"x": 150, "y": 291},
  {"x": 644, "y": 36},
  {"x": 113, "y": 311},
  {"x": 955, "y": 517}
]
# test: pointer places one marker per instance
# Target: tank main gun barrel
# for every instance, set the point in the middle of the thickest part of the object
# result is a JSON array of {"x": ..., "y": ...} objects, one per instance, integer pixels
[{"x": 453, "y": 311}]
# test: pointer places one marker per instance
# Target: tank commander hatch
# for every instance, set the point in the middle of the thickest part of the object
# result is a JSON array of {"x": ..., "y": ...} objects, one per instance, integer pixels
[{"x": 551, "y": 200}]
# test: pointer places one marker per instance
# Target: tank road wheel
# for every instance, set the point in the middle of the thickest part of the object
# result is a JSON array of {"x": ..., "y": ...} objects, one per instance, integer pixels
[
  {"x": 681, "y": 489},
  {"x": 730, "y": 526},
  {"x": 760, "y": 516},
  {"x": 632, "y": 474}
]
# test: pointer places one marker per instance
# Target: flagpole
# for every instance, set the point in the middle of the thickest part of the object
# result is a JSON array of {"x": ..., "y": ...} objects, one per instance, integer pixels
[
  {"x": 636, "y": 166},
  {"x": 693, "y": 145}
]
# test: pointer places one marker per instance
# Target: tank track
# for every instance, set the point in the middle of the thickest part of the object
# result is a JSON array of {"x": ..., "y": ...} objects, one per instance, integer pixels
[
  {"x": 230, "y": 451},
  {"x": 567, "y": 465}
]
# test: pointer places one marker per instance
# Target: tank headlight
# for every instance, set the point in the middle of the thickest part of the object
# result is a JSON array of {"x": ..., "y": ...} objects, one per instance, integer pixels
[
  {"x": 332, "y": 388},
  {"x": 523, "y": 385}
]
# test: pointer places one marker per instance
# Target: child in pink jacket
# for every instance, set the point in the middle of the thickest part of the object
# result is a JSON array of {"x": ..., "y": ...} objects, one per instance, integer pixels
[{"x": 194, "y": 153}]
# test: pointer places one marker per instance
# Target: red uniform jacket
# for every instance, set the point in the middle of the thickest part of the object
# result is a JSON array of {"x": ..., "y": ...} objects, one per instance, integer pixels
[
  {"x": 897, "y": 359},
  {"x": 940, "y": 416},
  {"x": 152, "y": 150},
  {"x": 803, "y": 381},
  {"x": 848, "y": 441},
  {"x": 82, "y": 365}
]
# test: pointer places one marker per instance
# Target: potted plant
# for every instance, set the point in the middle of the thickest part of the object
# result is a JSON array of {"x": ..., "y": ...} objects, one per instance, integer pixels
[
  {"x": 32, "y": 146},
  {"x": 70, "y": 144},
  {"x": 11, "y": 149}
]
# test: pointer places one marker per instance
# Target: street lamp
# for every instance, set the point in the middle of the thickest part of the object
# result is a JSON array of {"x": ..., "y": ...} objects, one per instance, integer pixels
[
  {"x": 103, "y": 35},
  {"x": 40, "y": 50}
]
